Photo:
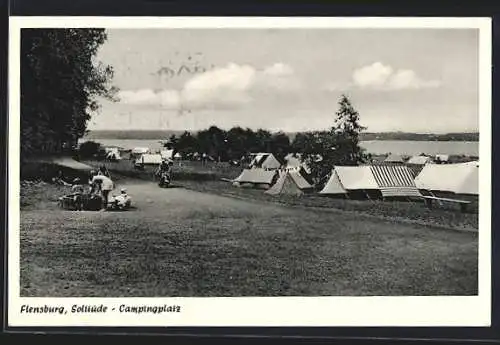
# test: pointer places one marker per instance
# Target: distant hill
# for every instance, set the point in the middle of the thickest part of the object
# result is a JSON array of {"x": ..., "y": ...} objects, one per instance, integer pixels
[
  {"x": 163, "y": 134},
  {"x": 146, "y": 135},
  {"x": 420, "y": 137}
]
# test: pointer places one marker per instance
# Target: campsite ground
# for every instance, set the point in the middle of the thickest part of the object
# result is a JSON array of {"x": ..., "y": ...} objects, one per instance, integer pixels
[{"x": 182, "y": 242}]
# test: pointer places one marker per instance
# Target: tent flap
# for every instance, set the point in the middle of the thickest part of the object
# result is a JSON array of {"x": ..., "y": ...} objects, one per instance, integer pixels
[{"x": 395, "y": 181}]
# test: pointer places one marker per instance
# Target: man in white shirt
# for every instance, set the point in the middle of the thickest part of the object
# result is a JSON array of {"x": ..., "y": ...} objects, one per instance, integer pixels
[{"x": 106, "y": 186}]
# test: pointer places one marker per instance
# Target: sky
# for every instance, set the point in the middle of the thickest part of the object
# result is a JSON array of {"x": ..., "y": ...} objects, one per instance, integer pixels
[{"x": 412, "y": 80}]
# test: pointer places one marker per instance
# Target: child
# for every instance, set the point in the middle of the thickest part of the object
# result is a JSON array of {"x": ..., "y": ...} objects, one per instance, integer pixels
[
  {"x": 123, "y": 200},
  {"x": 77, "y": 191}
]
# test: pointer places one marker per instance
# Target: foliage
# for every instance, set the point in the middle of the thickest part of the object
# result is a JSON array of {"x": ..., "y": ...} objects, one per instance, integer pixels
[
  {"x": 338, "y": 146},
  {"x": 60, "y": 81},
  {"x": 231, "y": 145},
  {"x": 90, "y": 149}
]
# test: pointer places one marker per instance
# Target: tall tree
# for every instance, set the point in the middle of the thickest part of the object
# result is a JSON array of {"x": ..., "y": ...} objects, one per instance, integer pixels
[
  {"x": 347, "y": 129},
  {"x": 338, "y": 146},
  {"x": 60, "y": 83}
]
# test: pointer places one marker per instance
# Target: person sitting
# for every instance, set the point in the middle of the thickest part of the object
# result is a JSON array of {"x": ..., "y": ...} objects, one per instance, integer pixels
[
  {"x": 59, "y": 179},
  {"x": 123, "y": 200},
  {"x": 77, "y": 192}
]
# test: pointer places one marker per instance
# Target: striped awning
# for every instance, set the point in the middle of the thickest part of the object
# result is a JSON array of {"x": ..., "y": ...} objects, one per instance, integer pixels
[{"x": 395, "y": 180}]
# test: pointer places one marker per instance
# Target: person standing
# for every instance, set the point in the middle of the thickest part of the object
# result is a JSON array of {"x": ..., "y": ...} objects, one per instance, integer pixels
[{"x": 106, "y": 186}]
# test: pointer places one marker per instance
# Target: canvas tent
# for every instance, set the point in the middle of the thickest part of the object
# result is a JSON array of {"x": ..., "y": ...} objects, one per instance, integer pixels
[
  {"x": 460, "y": 178},
  {"x": 419, "y": 160},
  {"x": 290, "y": 182},
  {"x": 442, "y": 158},
  {"x": 265, "y": 161},
  {"x": 167, "y": 154},
  {"x": 256, "y": 177},
  {"x": 390, "y": 181},
  {"x": 149, "y": 159},
  {"x": 393, "y": 158},
  {"x": 140, "y": 150},
  {"x": 293, "y": 162}
]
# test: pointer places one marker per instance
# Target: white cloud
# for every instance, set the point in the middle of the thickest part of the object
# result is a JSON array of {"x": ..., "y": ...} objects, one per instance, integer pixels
[
  {"x": 227, "y": 85},
  {"x": 378, "y": 76},
  {"x": 408, "y": 79},
  {"x": 279, "y": 69},
  {"x": 220, "y": 88},
  {"x": 375, "y": 75}
]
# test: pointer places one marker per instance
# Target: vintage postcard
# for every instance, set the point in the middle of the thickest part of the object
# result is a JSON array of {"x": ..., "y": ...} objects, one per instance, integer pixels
[{"x": 249, "y": 171}]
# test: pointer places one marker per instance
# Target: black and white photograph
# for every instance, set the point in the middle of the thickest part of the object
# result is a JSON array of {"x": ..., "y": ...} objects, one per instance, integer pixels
[{"x": 289, "y": 167}]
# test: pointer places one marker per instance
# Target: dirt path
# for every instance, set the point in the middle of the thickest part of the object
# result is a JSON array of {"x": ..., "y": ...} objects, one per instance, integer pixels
[{"x": 177, "y": 242}]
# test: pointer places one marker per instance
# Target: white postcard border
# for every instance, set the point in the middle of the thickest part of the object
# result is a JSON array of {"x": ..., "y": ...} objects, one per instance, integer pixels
[{"x": 259, "y": 311}]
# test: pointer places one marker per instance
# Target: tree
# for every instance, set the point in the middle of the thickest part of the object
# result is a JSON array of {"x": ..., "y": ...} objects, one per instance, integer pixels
[
  {"x": 347, "y": 129},
  {"x": 279, "y": 145},
  {"x": 263, "y": 140},
  {"x": 186, "y": 144},
  {"x": 338, "y": 146},
  {"x": 60, "y": 81},
  {"x": 236, "y": 142},
  {"x": 213, "y": 142}
]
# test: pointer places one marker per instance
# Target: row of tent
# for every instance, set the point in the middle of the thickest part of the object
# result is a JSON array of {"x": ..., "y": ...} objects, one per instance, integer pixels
[
  {"x": 376, "y": 180},
  {"x": 416, "y": 160},
  {"x": 268, "y": 161}
]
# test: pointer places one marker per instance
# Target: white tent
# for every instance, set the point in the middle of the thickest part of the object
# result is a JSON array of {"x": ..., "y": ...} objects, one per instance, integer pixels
[
  {"x": 389, "y": 180},
  {"x": 290, "y": 182},
  {"x": 265, "y": 161},
  {"x": 168, "y": 154},
  {"x": 393, "y": 158},
  {"x": 140, "y": 150},
  {"x": 256, "y": 177},
  {"x": 442, "y": 157},
  {"x": 419, "y": 160},
  {"x": 149, "y": 159},
  {"x": 293, "y": 162},
  {"x": 334, "y": 185},
  {"x": 460, "y": 178}
]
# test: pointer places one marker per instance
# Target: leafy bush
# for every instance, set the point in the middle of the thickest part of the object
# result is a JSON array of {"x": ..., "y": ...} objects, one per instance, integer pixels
[{"x": 91, "y": 149}]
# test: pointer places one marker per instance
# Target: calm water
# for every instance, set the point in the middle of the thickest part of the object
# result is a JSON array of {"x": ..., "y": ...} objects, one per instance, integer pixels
[{"x": 374, "y": 147}]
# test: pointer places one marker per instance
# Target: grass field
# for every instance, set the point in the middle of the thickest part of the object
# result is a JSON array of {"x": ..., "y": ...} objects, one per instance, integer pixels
[{"x": 178, "y": 242}]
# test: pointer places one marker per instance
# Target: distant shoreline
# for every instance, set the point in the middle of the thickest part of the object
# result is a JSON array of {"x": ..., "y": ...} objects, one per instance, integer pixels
[{"x": 385, "y": 136}]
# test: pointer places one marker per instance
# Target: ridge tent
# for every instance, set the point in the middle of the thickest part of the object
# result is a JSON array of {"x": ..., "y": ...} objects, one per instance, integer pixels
[
  {"x": 265, "y": 161},
  {"x": 290, "y": 182},
  {"x": 419, "y": 160},
  {"x": 257, "y": 177},
  {"x": 140, "y": 150},
  {"x": 292, "y": 161},
  {"x": 149, "y": 159},
  {"x": 395, "y": 181},
  {"x": 459, "y": 178},
  {"x": 389, "y": 181},
  {"x": 393, "y": 158},
  {"x": 442, "y": 158},
  {"x": 168, "y": 154},
  {"x": 334, "y": 185}
]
